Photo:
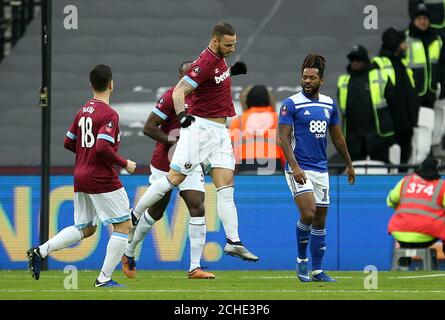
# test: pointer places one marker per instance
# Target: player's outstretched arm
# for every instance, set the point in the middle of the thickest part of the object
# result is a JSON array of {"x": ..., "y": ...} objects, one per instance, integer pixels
[
  {"x": 151, "y": 129},
  {"x": 284, "y": 138},
  {"x": 340, "y": 145}
]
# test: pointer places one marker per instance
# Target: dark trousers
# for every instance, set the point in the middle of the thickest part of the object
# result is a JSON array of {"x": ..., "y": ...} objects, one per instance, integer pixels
[
  {"x": 361, "y": 152},
  {"x": 406, "y": 261},
  {"x": 378, "y": 155},
  {"x": 417, "y": 244},
  {"x": 404, "y": 140}
]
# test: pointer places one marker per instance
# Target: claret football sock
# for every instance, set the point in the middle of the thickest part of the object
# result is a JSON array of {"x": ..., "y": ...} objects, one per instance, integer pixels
[
  {"x": 66, "y": 237},
  {"x": 303, "y": 235}
]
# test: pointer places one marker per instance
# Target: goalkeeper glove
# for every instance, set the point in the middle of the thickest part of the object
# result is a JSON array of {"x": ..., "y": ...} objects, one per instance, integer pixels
[
  {"x": 185, "y": 120},
  {"x": 238, "y": 68}
]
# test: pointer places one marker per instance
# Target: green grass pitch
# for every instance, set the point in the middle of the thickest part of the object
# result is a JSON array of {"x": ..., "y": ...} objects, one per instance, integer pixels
[{"x": 228, "y": 285}]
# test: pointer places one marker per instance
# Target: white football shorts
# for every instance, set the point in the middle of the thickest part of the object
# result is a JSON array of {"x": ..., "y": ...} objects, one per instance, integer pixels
[
  {"x": 205, "y": 142},
  {"x": 194, "y": 181},
  {"x": 317, "y": 182},
  {"x": 109, "y": 207}
]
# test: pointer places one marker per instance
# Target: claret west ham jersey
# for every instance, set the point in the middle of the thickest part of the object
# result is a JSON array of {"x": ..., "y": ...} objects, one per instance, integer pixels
[
  {"x": 210, "y": 76},
  {"x": 166, "y": 110},
  {"x": 93, "y": 174}
]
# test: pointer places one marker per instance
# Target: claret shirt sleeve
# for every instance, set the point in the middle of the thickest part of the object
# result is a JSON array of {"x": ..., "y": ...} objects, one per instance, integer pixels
[
  {"x": 106, "y": 151},
  {"x": 164, "y": 107},
  {"x": 109, "y": 131},
  {"x": 70, "y": 141},
  {"x": 72, "y": 131},
  {"x": 109, "y": 128},
  {"x": 198, "y": 72}
]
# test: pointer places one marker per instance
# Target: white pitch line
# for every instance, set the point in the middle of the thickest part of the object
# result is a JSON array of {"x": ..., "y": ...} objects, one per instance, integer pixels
[
  {"x": 62, "y": 277},
  {"x": 26, "y": 276},
  {"x": 284, "y": 277},
  {"x": 218, "y": 291},
  {"x": 424, "y": 276}
]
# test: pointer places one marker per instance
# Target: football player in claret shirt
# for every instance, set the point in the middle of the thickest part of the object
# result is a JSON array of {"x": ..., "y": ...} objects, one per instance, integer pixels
[
  {"x": 305, "y": 119},
  {"x": 204, "y": 138},
  {"x": 98, "y": 192},
  {"x": 163, "y": 126}
]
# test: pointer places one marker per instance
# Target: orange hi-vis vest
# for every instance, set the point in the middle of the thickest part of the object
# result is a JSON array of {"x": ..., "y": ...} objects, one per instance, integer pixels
[
  {"x": 254, "y": 135},
  {"x": 420, "y": 208}
]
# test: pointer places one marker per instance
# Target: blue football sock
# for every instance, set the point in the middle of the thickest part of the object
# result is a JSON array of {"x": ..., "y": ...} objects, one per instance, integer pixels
[
  {"x": 318, "y": 247},
  {"x": 303, "y": 233}
]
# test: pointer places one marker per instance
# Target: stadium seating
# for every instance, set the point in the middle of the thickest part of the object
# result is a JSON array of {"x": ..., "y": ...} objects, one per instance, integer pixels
[
  {"x": 145, "y": 41},
  {"x": 394, "y": 157},
  {"x": 89, "y": 45},
  {"x": 24, "y": 63},
  {"x": 8, "y": 99},
  {"x": 81, "y": 63},
  {"x": 31, "y": 120},
  {"x": 361, "y": 167},
  {"x": 423, "y": 135},
  {"x": 9, "y": 155},
  {"x": 30, "y": 44},
  {"x": 439, "y": 122}
]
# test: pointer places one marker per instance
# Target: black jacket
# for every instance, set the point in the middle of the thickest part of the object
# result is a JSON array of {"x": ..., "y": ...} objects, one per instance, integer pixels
[
  {"x": 403, "y": 100},
  {"x": 359, "y": 115},
  {"x": 437, "y": 72},
  {"x": 436, "y": 10}
]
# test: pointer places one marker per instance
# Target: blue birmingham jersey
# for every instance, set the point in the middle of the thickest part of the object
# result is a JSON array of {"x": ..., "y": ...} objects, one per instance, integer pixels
[{"x": 310, "y": 120}]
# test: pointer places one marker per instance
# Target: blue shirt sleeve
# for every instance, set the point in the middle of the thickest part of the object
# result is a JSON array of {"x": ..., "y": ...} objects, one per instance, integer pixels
[
  {"x": 334, "y": 117},
  {"x": 287, "y": 112}
]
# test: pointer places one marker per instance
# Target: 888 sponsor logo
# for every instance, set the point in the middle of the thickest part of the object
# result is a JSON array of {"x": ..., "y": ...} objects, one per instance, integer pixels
[{"x": 318, "y": 128}]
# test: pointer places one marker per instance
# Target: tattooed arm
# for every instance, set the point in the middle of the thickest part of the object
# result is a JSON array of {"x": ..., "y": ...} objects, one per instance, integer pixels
[{"x": 182, "y": 89}]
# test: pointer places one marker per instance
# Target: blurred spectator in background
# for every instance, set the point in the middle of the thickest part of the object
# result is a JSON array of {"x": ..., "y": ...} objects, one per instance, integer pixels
[
  {"x": 426, "y": 57},
  {"x": 403, "y": 103},
  {"x": 418, "y": 200},
  {"x": 367, "y": 122},
  {"x": 243, "y": 97},
  {"x": 436, "y": 10},
  {"x": 254, "y": 133}
]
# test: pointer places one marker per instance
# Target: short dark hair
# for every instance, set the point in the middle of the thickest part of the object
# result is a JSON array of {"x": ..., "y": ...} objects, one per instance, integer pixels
[
  {"x": 429, "y": 169},
  {"x": 182, "y": 67},
  {"x": 314, "y": 60},
  {"x": 100, "y": 77},
  {"x": 258, "y": 96},
  {"x": 223, "y": 29}
]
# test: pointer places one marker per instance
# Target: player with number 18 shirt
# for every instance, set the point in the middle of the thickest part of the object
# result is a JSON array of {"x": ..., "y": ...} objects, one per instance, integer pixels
[
  {"x": 98, "y": 193},
  {"x": 96, "y": 121}
]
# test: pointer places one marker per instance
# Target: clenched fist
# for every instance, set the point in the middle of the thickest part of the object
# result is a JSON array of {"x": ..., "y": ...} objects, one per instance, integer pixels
[{"x": 131, "y": 166}]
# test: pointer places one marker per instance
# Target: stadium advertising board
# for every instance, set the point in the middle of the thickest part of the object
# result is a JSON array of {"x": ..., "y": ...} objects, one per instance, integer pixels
[{"x": 356, "y": 227}]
